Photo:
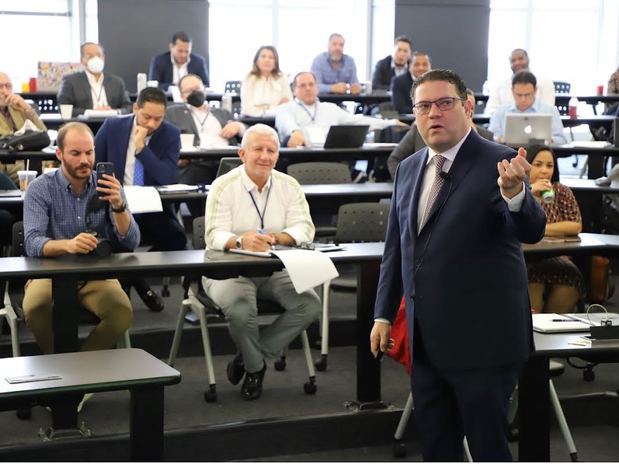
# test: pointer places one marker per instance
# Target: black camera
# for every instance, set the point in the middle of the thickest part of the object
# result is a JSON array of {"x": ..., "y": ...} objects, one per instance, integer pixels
[{"x": 104, "y": 246}]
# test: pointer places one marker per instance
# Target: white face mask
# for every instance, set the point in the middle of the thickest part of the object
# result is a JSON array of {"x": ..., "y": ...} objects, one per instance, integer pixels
[{"x": 95, "y": 65}]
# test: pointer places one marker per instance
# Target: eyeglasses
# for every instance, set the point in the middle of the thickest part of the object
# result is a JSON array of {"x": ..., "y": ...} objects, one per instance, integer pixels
[
  {"x": 7, "y": 86},
  {"x": 443, "y": 104}
]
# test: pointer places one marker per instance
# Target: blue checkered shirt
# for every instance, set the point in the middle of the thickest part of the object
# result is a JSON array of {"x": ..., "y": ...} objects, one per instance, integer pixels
[{"x": 52, "y": 211}]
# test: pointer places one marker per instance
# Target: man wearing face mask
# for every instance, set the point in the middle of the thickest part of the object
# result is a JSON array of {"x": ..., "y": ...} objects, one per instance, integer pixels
[
  {"x": 145, "y": 149},
  {"x": 92, "y": 88},
  {"x": 212, "y": 128}
]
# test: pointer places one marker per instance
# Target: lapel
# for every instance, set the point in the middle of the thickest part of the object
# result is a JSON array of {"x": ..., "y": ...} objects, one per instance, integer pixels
[
  {"x": 85, "y": 89},
  {"x": 459, "y": 169},
  {"x": 416, "y": 177},
  {"x": 17, "y": 117},
  {"x": 192, "y": 123},
  {"x": 109, "y": 91},
  {"x": 124, "y": 133}
]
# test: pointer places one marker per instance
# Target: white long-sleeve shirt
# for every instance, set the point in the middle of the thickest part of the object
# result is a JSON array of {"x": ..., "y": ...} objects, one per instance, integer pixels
[
  {"x": 502, "y": 95},
  {"x": 296, "y": 115},
  {"x": 261, "y": 95},
  {"x": 231, "y": 212}
]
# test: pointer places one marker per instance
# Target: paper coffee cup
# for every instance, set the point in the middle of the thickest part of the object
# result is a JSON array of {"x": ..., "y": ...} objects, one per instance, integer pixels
[
  {"x": 368, "y": 87},
  {"x": 66, "y": 111},
  {"x": 187, "y": 141},
  {"x": 25, "y": 177}
]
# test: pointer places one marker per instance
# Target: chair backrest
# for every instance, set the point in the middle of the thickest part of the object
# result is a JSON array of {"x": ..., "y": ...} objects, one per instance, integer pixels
[
  {"x": 362, "y": 222},
  {"x": 562, "y": 87},
  {"x": 197, "y": 237},
  {"x": 233, "y": 87},
  {"x": 17, "y": 243},
  {"x": 6, "y": 183},
  {"x": 227, "y": 164},
  {"x": 320, "y": 173}
]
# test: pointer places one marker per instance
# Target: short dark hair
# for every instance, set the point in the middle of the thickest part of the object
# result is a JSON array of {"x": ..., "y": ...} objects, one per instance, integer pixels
[
  {"x": 446, "y": 75},
  {"x": 90, "y": 43},
  {"x": 294, "y": 81},
  {"x": 182, "y": 36},
  {"x": 524, "y": 77},
  {"x": 64, "y": 130},
  {"x": 403, "y": 38},
  {"x": 524, "y": 52},
  {"x": 335, "y": 34},
  {"x": 186, "y": 76},
  {"x": 152, "y": 95},
  {"x": 533, "y": 151}
]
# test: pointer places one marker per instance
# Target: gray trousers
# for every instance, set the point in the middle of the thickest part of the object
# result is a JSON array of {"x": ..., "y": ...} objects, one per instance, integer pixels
[{"x": 237, "y": 298}]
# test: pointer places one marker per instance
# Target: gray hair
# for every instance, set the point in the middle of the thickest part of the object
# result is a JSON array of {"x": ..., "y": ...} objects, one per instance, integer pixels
[{"x": 261, "y": 129}]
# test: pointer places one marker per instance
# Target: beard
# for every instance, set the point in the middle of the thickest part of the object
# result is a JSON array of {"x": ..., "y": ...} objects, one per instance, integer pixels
[{"x": 83, "y": 171}]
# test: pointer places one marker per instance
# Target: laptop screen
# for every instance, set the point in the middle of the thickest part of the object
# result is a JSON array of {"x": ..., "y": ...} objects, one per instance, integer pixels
[{"x": 523, "y": 128}]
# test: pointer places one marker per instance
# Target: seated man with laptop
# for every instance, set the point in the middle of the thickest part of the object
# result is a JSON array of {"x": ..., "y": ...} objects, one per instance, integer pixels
[
  {"x": 526, "y": 120},
  {"x": 306, "y": 120}
]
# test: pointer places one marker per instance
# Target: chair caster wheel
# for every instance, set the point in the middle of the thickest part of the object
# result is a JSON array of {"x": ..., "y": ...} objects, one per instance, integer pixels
[
  {"x": 210, "y": 395},
  {"x": 399, "y": 449},
  {"x": 321, "y": 364},
  {"x": 280, "y": 364},
  {"x": 513, "y": 434},
  {"x": 588, "y": 375},
  {"x": 24, "y": 413},
  {"x": 165, "y": 292},
  {"x": 310, "y": 387}
]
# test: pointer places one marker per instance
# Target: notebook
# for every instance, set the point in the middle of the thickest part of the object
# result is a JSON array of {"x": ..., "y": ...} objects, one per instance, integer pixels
[
  {"x": 577, "y": 322},
  {"x": 522, "y": 128},
  {"x": 346, "y": 136}
]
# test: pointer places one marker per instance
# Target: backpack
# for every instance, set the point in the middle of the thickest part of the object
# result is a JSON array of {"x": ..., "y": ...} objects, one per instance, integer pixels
[{"x": 28, "y": 141}]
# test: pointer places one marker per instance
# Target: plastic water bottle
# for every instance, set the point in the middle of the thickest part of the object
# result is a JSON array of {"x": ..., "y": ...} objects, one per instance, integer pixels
[
  {"x": 226, "y": 102},
  {"x": 141, "y": 82},
  {"x": 548, "y": 196}
]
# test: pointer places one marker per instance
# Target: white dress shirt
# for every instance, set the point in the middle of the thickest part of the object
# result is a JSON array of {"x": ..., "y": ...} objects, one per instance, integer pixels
[
  {"x": 208, "y": 127},
  {"x": 231, "y": 212},
  {"x": 97, "y": 91},
  {"x": 130, "y": 163},
  {"x": 178, "y": 71},
  {"x": 502, "y": 94}
]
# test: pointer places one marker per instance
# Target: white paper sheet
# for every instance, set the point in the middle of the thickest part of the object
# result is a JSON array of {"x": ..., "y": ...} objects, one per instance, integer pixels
[
  {"x": 143, "y": 199},
  {"x": 307, "y": 269}
]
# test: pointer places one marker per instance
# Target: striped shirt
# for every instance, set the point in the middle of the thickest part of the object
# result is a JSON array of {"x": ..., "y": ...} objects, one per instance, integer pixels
[
  {"x": 230, "y": 210},
  {"x": 52, "y": 211}
]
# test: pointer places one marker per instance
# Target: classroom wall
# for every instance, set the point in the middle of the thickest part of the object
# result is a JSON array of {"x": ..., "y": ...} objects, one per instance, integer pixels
[
  {"x": 453, "y": 32},
  {"x": 133, "y": 31}
]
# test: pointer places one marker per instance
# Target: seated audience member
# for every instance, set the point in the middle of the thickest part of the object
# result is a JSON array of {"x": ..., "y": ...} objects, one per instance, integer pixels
[
  {"x": 613, "y": 83},
  {"x": 266, "y": 86},
  {"x": 212, "y": 127},
  {"x": 145, "y": 150},
  {"x": 524, "y": 86},
  {"x": 169, "y": 67},
  {"x": 412, "y": 142},
  {"x": 502, "y": 94},
  {"x": 555, "y": 284},
  {"x": 392, "y": 65},
  {"x": 14, "y": 112},
  {"x": 402, "y": 85},
  {"x": 252, "y": 208},
  {"x": 92, "y": 88},
  {"x": 335, "y": 71},
  {"x": 297, "y": 120},
  {"x": 62, "y": 215}
]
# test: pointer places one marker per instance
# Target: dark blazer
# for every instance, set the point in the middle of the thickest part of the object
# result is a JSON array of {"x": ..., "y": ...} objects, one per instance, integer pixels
[
  {"x": 159, "y": 157},
  {"x": 463, "y": 275},
  {"x": 383, "y": 75},
  {"x": 160, "y": 69},
  {"x": 75, "y": 90},
  {"x": 401, "y": 93},
  {"x": 181, "y": 117}
]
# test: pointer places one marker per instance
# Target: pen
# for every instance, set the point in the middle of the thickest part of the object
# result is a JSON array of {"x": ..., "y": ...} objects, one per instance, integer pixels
[{"x": 564, "y": 320}]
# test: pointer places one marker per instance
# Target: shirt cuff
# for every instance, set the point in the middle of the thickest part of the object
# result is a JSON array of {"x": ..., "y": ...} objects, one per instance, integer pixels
[
  {"x": 515, "y": 204},
  {"x": 220, "y": 239},
  {"x": 383, "y": 320}
]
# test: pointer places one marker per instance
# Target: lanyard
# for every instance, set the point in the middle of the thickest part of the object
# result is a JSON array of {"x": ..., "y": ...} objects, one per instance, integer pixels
[
  {"x": 97, "y": 96},
  {"x": 313, "y": 118},
  {"x": 261, "y": 215}
]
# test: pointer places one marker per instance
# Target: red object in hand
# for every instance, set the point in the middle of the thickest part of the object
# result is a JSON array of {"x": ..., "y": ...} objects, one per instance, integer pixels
[
  {"x": 33, "y": 84},
  {"x": 399, "y": 332}
]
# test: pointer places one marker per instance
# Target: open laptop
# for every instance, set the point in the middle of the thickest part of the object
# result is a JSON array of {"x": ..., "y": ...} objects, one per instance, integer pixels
[
  {"x": 522, "y": 128},
  {"x": 346, "y": 136}
]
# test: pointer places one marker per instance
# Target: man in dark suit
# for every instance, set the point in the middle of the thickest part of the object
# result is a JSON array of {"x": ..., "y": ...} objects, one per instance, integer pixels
[
  {"x": 145, "y": 150},
  {"x": 92, "y": 88},
  {"x": 453, "y": 249},
  {"x": 401, "y": 85},
  {"x": 169, "y": 67},
  {"x": 392, "y": 65}
]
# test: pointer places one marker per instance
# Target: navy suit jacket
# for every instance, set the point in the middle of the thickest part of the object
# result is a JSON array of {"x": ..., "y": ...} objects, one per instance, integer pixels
[
  {"x": 160, "y": 69},
  {"x": 159, "y": 157},
  {"x": 401, "y": 93},
  {"x": 463, "y": 276}
]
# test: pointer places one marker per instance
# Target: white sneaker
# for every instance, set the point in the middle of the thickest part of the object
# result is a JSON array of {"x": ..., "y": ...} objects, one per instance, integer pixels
[{"x": 86, "y": 397}]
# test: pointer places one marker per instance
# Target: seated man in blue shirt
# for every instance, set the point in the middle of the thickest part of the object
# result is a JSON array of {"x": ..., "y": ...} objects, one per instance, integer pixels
[
  {"x": 524, "y": 86},
  {"x": 335, "y": 71},
  {"x": 62, "y": 215}
]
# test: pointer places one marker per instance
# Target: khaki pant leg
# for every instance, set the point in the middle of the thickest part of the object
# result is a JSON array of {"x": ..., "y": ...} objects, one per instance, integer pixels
[{"x": 37, "y": 307}]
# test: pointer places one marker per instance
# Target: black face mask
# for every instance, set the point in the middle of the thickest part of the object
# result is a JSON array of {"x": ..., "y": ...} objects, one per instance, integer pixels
[{"x": 196, "y": 98}]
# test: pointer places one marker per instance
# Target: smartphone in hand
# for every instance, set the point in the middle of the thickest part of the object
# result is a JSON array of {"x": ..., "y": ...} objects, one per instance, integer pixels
[{"x": 104, "y": 168}]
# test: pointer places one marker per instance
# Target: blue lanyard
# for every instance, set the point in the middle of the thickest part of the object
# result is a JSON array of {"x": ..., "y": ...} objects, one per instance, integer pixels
[
  {"x": 261, "y": 215},
  {"x": 313, "y": 118}
]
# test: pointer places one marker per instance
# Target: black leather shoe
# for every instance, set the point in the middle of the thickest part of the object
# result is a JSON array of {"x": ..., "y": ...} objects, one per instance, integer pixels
[
  {"x": 236, "y": 369},
  {"x": 150, "y": 299},
  {"x": 252, "y": 385}
]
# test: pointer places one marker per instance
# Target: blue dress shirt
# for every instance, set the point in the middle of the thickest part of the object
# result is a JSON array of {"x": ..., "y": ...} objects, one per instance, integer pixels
[
  {"x": 497, "y": 120},
  {"x": 327, "y": 76},
  {"x": 52, "y": 211}
]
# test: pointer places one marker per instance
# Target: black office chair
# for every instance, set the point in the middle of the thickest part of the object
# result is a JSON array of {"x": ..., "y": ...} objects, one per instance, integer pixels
[
  {"x": 203, "y": 306},
  {"x": 234, "y": 87},
  {"x": 356, "y": 222},
  {"x": 227, "y": 164}
]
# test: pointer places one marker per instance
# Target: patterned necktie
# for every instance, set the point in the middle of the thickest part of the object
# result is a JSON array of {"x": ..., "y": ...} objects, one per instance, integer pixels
[
  {"x": 439, "y": 160},
  {"x": 138, "y": 173}
]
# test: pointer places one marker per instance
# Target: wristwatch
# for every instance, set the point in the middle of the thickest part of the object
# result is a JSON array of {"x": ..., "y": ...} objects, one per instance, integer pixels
[
  {"x": 122, "y": 208},
  {"x": 239, "y": 243}
]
